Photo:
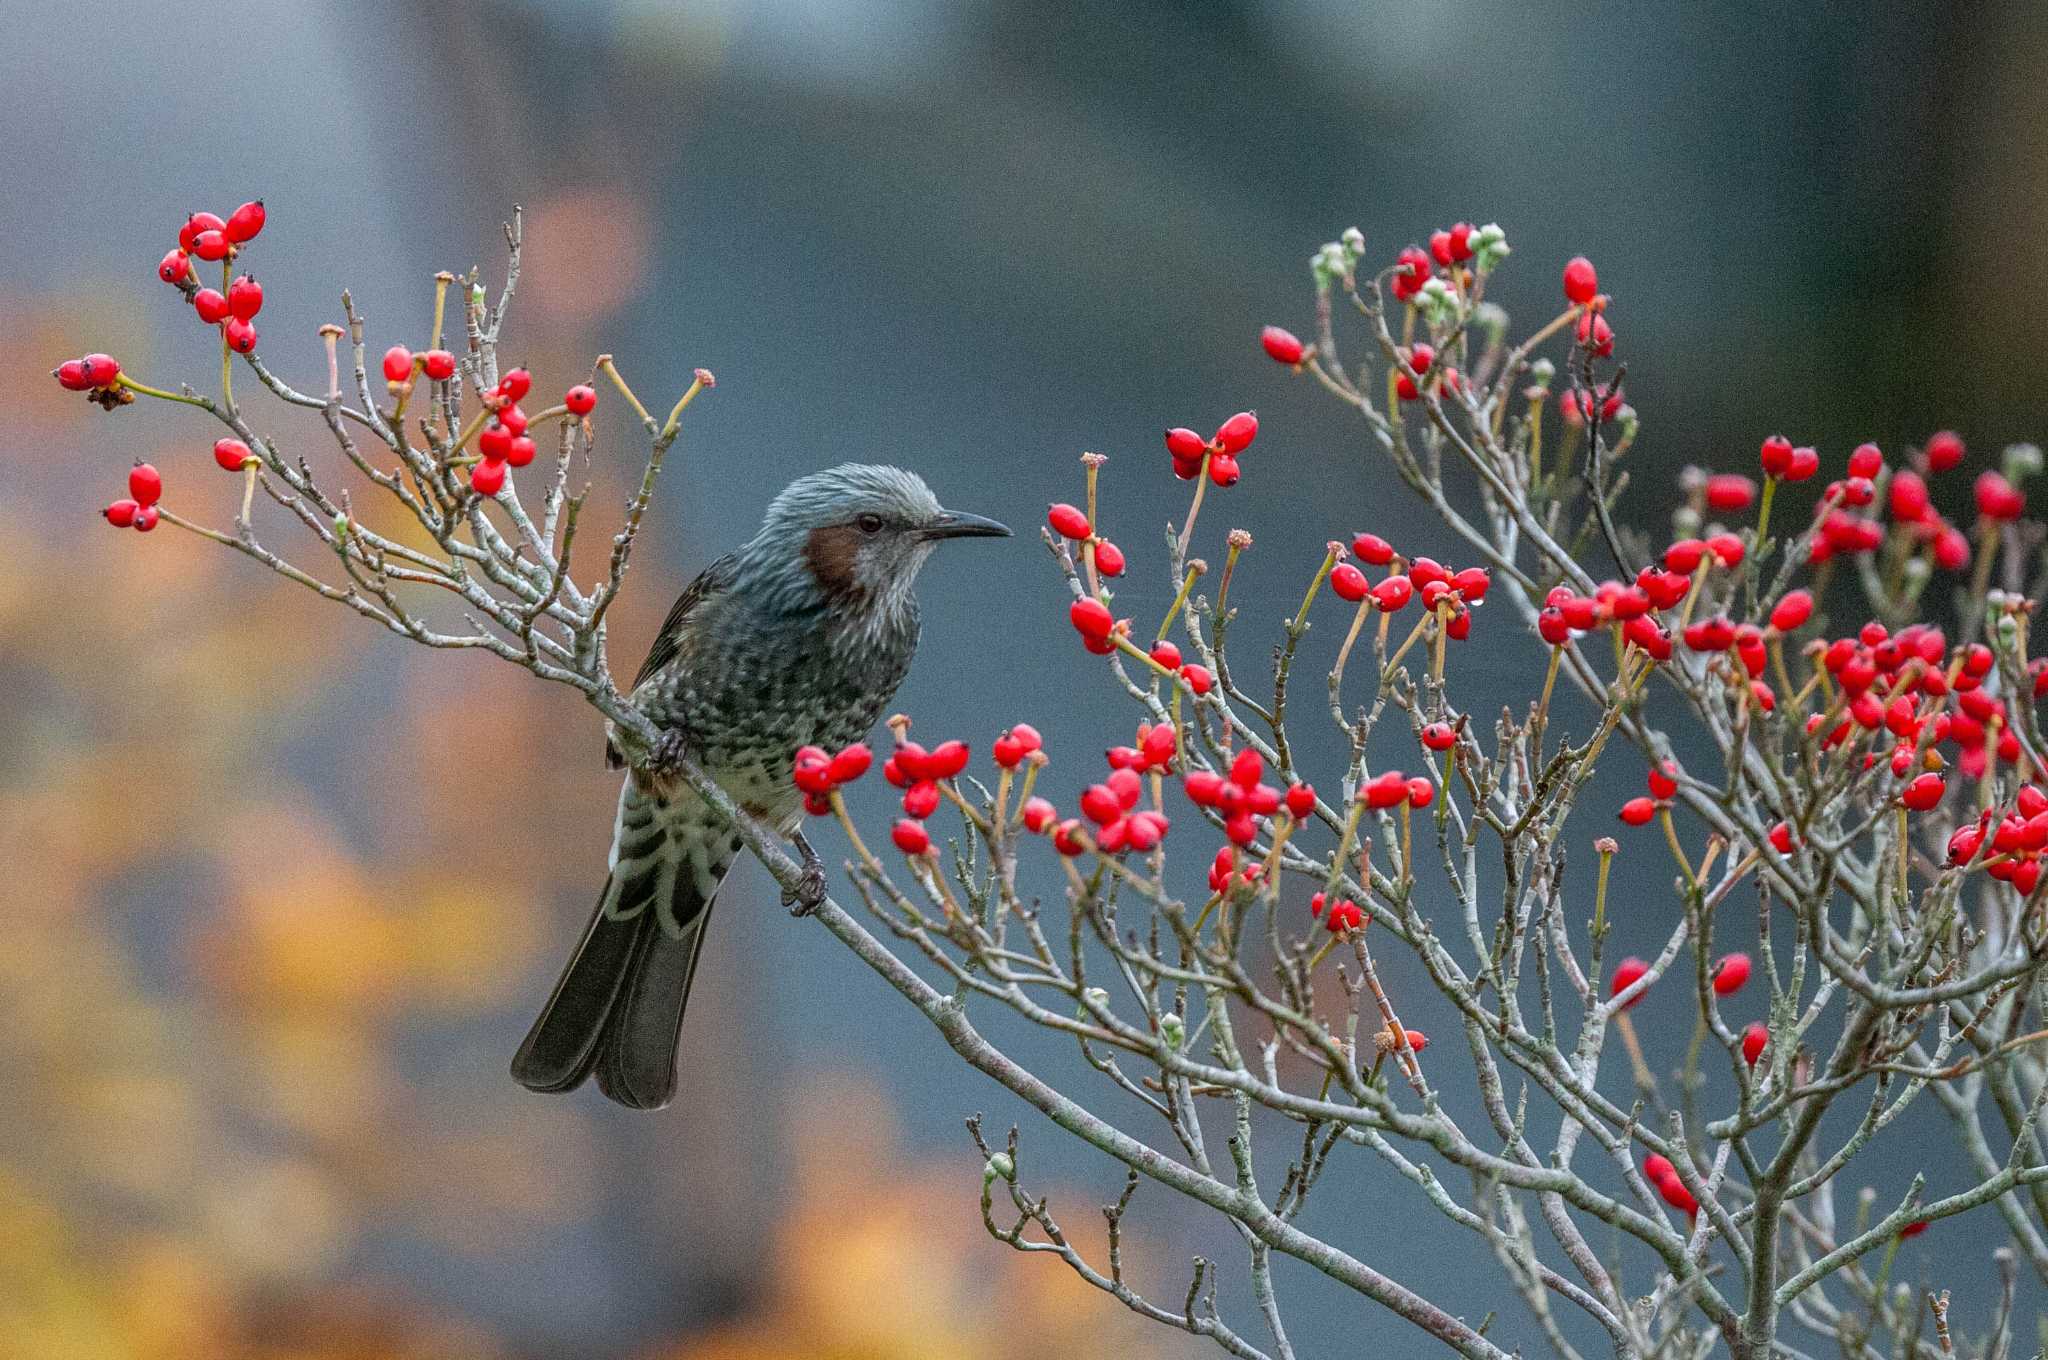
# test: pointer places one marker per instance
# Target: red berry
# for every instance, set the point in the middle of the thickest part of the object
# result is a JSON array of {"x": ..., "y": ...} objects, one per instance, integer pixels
[
  {"x": 210, "y": 245},
  {"x": 232, "y": 454},
  {"x": 1581, "y": 282},
  {"x": 1551, "y": 626},
  {"x": 145, "y": 518},
  {"x": 1068, "y": 521},
  {"x": 1421, "y": 793},
  {"x": 1791, "y": 612},
  {"x": 513, "y": 419},
  {"x": 1091, "y": 618},
  {"x": 811, "y": 770},
  {"x": 1412, "y": 269},
  {"x": 911, "y": 837},
  {"x": 1951, "y": 550},
  {"x": 1109, "y": 558},
  {"x": 1755, "y": 1036},
  {"x": 1349, "y": 582},
  {"x": 581, "y": 399},
  {"x": 1781, "y": 837},
  {"x": 1343, "y": 916},
  {"x": 1805, "y": 462},
  {"x": 1386, "y": 790},
  {"x": 1997, "y": 498},
  {"x": 1199, "y": 680},
  {"x": 1944, "y": 450},
  {"x": 1439, "y": 736},
  {"x": 494, "y": 442},
  {"x": 1235, "y": 435},
  {"x": 1626, "y": 974},
  {"x": 1866, "y": 462},
  {"x": 100, "y": 370},
  {"x": 1596, "y": 335},
  {"x": 1676, "y": 1195},
  {"x": 948, "y": 759},
  {"x": 211, "y": 305},
  {"x": 1281, "y": 345},
  {"x": 1663, "y": 780},
  {"x": 851, "y": 763},
  {"x": 487, "y": 478},
  {"x": 1684, "y": 556},
  {"x": 1301, "y": 801},
  {"x": 1730, "y": 974},
  {"x": 1223, "y": 470},
  {"x": 188, "y": 234},
  {"x": 1038, "y": 815},
  {"x": 520, "y": 451},
  {"x": 1461, "y": 241},
  {"x": 1372, "y": 549},
  {"x": 1440, "y": 248},
  {"x": 245, "y": 297},
  {"x": 397, "y": 364},
  {"x": 70, "y": 375},
  {"x": 921, "y": 799},
  {"x": 1417, "y": 1040},
  {"x": 174, "y": 267},
  {"x": 241, "y": 336},
  {"x": 121, "y": 513},
  {"x": 145, "y": 484},
  {"x": 1908, "y": 496},
  {"x": 1182, "y": 442},
  {"x": 1393, "y": 594},
  {"x": 1777, "y": 456},
  {"x": 438, "y": 364},
  {"x": 1728, "y": 492},
  {"x": 515, "y": 384},
  {"x": 245, "y": 222},
  {"x": 1914, "y": 1229},
  {"x": 1166, "y": 654},
  {"x": 1727, "y": 549},
  {"x": 1924, "y": 792},
  {"x": 1638, "y": 811}
]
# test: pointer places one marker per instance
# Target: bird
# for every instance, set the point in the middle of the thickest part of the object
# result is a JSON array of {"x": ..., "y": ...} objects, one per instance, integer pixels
[{"x": 798, "y": 638}]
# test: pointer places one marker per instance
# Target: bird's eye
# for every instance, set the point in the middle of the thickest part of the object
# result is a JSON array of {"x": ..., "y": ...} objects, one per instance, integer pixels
[{"x": 870, "y": 524}]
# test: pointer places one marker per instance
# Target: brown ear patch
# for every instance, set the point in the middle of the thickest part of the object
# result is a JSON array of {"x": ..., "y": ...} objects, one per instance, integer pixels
[{"x": 833, "y": 555}]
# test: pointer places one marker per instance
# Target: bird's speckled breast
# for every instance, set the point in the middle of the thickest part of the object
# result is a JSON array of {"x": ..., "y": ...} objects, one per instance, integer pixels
[{"x": 748, "y": 691}]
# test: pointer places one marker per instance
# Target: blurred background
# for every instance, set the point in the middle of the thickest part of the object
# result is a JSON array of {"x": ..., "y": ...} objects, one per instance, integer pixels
[{"x": 281, "y": 894}]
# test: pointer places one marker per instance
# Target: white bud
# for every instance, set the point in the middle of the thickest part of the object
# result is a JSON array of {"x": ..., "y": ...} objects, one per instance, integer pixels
[
  {"x": 1917, "y": 569},
  {"x": 1096, "y": 996},
  {"x": 1354, "y": 241},
  {"x": 1172, "y": 1029},
  {"x": 2022, "y": 461},
  {"x": 999, "y": 1165}
]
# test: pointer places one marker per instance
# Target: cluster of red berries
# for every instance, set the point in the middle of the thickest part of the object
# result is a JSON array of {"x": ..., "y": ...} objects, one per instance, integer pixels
[
  {"x": 1071, "y": 522},
  {"x": 1345, "y": 915},
  {"x": 817, "y": 773},
  {"x": 2014, "y": 837},
  {"x": 1241, "y": 797},
  {"x": 503, "y": 442},
  {"x": 1120, "y": 824},
  {"x": 208, "y": 237},
  {"x": 918, "y": 773},
  {"x": 1218, "y": 452},
  {"x": 1663, "y": 787},
  {"x": 401, "y": 363},
  {"x": 138, "y": 511},
  {"x": 96, "y": 375},
  {"x": 1099, "y": 630},
  {"x": 1438, "y": 585}
]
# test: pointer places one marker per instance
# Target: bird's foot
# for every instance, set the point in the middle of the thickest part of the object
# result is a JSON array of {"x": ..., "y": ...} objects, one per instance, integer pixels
[
  {"x": 665, "y": 758},
  {"x": 809, "y": 893}
]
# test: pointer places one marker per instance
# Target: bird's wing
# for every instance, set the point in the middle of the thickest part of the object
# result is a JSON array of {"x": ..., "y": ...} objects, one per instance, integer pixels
[{"x": 669, "y": 641}]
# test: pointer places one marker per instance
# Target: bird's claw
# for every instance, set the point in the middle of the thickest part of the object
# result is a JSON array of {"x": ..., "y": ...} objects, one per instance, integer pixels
[
  {"x": 665, "y": 758},
  {"x": 809, "y": 893}
]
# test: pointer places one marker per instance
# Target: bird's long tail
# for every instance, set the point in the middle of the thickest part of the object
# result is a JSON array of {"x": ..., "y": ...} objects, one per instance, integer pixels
[{"x": 617, "y": 1011}]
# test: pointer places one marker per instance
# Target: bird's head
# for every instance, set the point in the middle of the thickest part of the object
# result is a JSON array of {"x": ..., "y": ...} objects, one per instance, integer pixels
[{"x": 858, "y": 534}]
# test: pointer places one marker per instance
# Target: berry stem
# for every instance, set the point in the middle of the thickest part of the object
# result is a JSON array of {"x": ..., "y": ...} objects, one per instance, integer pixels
[
  {"x": 1314, "y": 586},
  {"x": 227, "y": 354},
  {"x": 860, "y": 848},
  {"x": 1677, "y": 850},
  {"x": 250, "y": 471},
  {"x": 1599, "y": 928},
  {"x": 611, "y": 370},
  {"x": 441, "y": 282},
  {"x": 1357, "y": 626},
  {"x": 675, "y": 415},
  {"x": 1173, "y": 610},
  {"x": 1187, "y": 532},
  {"x": 1543, "y": 709},
  {"x": 145, "y": 390}
]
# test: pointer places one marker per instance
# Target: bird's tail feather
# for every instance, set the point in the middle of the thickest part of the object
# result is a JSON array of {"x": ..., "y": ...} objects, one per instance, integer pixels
[{"x": 617, "y": 1011}]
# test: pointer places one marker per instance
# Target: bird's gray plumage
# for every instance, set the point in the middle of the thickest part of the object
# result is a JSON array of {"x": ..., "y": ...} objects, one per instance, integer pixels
[{"x": 800, "y": 637}]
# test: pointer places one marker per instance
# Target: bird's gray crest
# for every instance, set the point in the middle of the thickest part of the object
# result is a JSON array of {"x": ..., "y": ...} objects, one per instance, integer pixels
[{"x": 839, "y": 493}]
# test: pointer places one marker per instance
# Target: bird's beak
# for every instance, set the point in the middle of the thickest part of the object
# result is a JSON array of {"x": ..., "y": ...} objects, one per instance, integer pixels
[{"x": 955, "y": 524}]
